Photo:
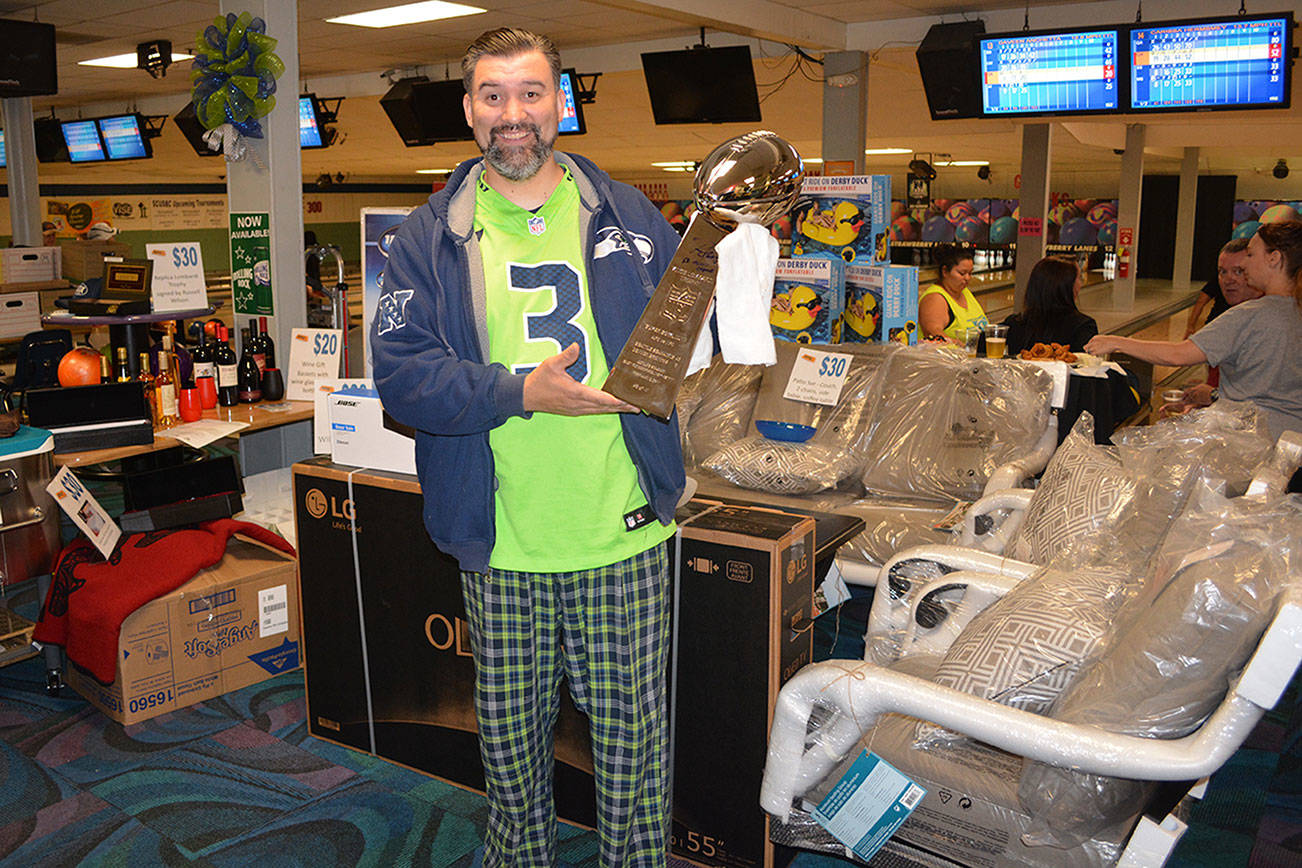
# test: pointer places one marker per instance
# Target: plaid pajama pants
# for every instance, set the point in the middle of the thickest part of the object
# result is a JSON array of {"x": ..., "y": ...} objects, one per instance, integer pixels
[{"x": 607, "y": 631}]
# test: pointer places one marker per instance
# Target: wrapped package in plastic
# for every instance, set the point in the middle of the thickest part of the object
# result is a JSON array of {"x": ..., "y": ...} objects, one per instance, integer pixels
[
  {"x": 1085, "y": 489},
  {"x": 944, "y": 422},
  {"x": 1025, "y": 648},
  {"x": 891, "y": 525},
  {"x": 831, "y": 455},
  {"x": 1177, "y": 647},
  {"x": 1227, "y": 440},
  {"x": 714, "y": 408}
]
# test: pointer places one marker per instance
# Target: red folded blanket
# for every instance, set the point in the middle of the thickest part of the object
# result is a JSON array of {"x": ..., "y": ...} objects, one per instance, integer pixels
[{"x": 90, "y": 598}]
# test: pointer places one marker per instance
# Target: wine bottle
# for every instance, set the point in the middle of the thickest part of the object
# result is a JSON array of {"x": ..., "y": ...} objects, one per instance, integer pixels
[
  {"x": 147, "y": 380},
  {"x": 254, "y": 344},
  {"x": 268, "y": 345},
  {"x": 202, "y": 358},
  {"x": 228, "y": 375},
  {"x": 250, "y": 378},
  {"x": 104, "y": 375},
  {"x": 165, "y": 390},
  {"x": 124, "y": 370},
  {"x": 169, "y": 347}
]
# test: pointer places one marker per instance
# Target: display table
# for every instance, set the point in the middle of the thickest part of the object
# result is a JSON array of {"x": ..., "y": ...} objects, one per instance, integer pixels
[
  {"x": 275, "y": 437},
  {"x": 128, "y": 331}
]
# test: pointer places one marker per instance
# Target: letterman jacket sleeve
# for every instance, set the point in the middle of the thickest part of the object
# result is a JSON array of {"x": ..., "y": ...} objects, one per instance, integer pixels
[{"x": 424, "y": 344}]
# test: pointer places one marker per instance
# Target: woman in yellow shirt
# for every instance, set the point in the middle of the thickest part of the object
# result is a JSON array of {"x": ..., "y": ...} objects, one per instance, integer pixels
[{"x": 948, "y": 308}]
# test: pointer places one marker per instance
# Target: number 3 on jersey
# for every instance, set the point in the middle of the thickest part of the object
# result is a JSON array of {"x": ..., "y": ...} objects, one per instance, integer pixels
[{"x": 557, "y": 324}]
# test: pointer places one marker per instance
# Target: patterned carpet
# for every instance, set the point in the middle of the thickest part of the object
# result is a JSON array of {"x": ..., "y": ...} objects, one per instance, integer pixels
[{"x": 237, "y": 781}]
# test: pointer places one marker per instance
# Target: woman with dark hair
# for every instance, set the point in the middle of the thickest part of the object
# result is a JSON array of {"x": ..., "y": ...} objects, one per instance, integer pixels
[
  {"x": 947, "y": 308},
  {"x": 1050, "y": 315},
  {"x": 1257, "y": 343}
]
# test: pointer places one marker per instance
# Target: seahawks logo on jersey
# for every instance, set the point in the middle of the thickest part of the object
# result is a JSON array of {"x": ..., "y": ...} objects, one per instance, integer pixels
[
  {"x": 611, "y": 239},
  {"x": 391, "y": 310}
]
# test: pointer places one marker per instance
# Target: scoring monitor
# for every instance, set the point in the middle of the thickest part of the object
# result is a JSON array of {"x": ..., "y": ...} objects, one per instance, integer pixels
[
  {"x": 1049, "y": 73},
  {"x": 1231, "y": 63}
]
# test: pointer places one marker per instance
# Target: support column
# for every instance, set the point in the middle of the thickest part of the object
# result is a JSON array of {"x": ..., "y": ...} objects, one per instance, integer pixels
[
  {"x": 845, "y": 107},
  {"x": 1033, "y": 204},
  {"x": 270, "y": 178},
  {"x": 1184, "y": 220},
  {"x": 1128, "y": 203},
  {"x": 20, "y": 155}
]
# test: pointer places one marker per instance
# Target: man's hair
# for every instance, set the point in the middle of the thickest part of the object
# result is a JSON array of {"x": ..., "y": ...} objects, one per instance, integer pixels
[
  {"x": 1235, "y": 245},
  {"x": 508, "y": 42}
]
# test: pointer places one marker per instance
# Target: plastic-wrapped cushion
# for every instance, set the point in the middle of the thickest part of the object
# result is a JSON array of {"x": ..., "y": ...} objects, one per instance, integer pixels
[
  {"x": 1024, "y": 649},
  {"x": 834, "y": 452},
  {"x": 1085, "y": 489},
  {"x": 1227, "y": 440},
  {"x": 891, "y": 526},
  {"x": 1179, "y": 644},
  {"x": 714, "y": 408},
  {"x": 945, "y": 422}
]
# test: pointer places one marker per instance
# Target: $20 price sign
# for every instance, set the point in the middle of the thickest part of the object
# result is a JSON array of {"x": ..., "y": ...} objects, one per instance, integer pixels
[{"x": 313, "y": 355}]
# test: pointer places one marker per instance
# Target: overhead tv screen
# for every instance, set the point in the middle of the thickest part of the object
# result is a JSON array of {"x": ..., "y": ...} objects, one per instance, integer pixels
[
  {"x": 82, "y": 138},
  {"x": 1052, "y": 72},
  {"x": 1239, "y": 62},
  {"x": 309, "y": 123},
  {"x": 27, "y": 58},
  {"x": 122, "y": 138},
  {"x": 702, "y": 86},
  {"x": 2, "y": 149},
  {"x": 572, "y": 112}
]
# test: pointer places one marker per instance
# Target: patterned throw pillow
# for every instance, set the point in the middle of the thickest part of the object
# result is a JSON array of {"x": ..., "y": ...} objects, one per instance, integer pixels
[
  {"x": 1025, "y": 649},
  {"x": 1084, "y": 490},
  {"x": 761, "y": 464}
]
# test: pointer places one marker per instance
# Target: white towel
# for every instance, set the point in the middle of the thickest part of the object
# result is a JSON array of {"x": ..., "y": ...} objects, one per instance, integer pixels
[{"x": 743, "y": 293}]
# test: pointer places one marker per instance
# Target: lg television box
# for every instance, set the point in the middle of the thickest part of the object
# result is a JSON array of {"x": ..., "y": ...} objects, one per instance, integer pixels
[
  {"x": 232, "y": 625},
  {"x": 808, "y": 295},
  {"x": 847, "y": 216},
  {"x": 881, "y": 303}
]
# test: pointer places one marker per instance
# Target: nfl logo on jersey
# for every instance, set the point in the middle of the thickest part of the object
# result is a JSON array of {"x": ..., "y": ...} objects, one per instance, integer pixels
[{"x": 537, "y": 226}]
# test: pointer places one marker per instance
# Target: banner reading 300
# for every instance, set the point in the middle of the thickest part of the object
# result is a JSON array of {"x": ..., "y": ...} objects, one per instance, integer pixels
[{"x": 251, "y": 263}]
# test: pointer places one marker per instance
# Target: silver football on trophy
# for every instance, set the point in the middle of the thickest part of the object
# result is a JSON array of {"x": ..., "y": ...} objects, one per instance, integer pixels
[{"x": 756, "y": 175}]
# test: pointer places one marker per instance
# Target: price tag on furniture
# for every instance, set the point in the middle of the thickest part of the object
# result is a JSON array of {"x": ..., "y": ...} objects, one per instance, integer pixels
[
  {"x": 177, "y": 283},
  {"x": 817, "y": 377}
]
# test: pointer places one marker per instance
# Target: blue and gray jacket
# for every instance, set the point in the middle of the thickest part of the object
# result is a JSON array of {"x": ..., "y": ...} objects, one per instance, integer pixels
[{"x": 430, "y": 346}]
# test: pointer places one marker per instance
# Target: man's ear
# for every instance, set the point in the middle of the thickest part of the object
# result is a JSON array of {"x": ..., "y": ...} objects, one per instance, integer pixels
[{"x": 465, "y": 104}]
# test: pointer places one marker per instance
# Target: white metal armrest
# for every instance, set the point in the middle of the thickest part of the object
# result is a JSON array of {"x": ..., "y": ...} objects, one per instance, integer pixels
[
  {"x": 861, "y": 692},
  {"x": 1014, "y": 501},
  {"x": 978, "y": 590},
  {"x": 1016, "y": 472}
]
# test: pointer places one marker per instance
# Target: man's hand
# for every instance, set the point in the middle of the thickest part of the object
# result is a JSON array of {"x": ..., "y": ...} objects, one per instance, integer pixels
[
  {"x": 548, "y": 388},
  {"x": 1198, "y": 396},
  {"x": 1101, "y": 345}
]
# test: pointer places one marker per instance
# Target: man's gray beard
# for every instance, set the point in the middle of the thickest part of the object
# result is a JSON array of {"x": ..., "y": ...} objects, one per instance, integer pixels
[{"x": 517, "y": 163}]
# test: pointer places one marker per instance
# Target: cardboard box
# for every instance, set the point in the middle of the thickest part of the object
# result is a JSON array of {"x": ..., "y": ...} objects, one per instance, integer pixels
[
  {"x": 808, "y": 296},
  {"x": 20, "y": 313},
  {"x": 746, "y": 588},
  {"x": 85, "y": 259},
  {"x": 363, "y": 435},
  {"x": 880, "y": 300},
  {"x": 393, "y": 675},
  {"x": 232, "y": 625},
  {"x": 847, "y": 216},
  {"x": 29, "y": 264}
]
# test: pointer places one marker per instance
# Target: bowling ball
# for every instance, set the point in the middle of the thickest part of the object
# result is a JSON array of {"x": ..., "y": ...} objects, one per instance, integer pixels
[
  {"x": 1017, "y": 212},
  {"x": 898, "y": 209},
  {"x": 937, "y": 229},
  {"x": 1003, "y": 230},
  {"x": 1102, "y": 213},
  {"x": 1062, "y": 212},
  {"x": 1246, "y": 229},
  {"x": 1083, "y": 206},
  {"x": 958, "y": 212},
  {"x": 1108, "y": 234},
  {"x": 1078, "y": 230},
  {"x": 941, "y": 205},
  {"x": 970, "y": 230},
  {"x": 904, "y": 228},
  {"x": 999, "y": 208},
  {"x": 1243, "y": 211},
  {"x": 1278, "y": 214}
]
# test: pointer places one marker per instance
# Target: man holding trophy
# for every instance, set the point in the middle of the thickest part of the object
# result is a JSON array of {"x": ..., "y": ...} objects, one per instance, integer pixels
[{"x": 507, "y": 299}]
